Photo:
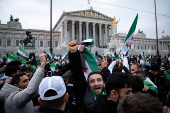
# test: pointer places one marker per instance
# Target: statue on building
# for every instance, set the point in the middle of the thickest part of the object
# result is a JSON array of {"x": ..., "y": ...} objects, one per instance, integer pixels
[
  {"x": 11, "y": 18},
  {"x": 140, "y": 31},
  {"x": 29, "y": 39},
  {"x": 16, "y": 20}
]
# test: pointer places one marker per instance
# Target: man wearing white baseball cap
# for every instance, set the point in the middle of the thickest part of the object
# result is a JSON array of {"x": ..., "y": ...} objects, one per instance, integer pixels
[{"x": 53, "y": 96}]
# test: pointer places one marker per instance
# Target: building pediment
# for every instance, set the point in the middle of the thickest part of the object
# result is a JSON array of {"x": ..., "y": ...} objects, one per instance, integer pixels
[{"x": 89, "y": 13}]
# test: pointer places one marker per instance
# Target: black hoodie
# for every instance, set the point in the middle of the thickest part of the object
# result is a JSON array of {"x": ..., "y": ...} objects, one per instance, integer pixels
[{"x": 102, "y": 105}]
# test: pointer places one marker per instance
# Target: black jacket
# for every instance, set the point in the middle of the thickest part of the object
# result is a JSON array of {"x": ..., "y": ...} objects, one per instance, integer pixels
[
  {"x": 83, "y": 94},
  {"x": 71, "y": 104},
  {"x": 102, "y": 105},
  {"x": 49, "y": 110}
]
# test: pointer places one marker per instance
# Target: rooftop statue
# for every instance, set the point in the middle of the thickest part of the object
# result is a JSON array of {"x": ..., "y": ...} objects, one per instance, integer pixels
[
  {"x": 11, "y": 18},
  {"x": 16, "y": 20},
  {"x": 29, "y": 39},
  {"x": 140, "y": 31}
]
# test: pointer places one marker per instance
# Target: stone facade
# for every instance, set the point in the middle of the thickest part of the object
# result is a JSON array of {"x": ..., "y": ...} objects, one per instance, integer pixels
[{"x": 10, "y": 39}]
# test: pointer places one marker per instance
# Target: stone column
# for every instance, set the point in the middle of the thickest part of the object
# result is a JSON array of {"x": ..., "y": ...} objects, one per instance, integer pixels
[
  {"x": 84, "y": 32},
  {"x": 94, "y": 37},
  {"x": 70, "y": 37},
  {"x": 77, "y": 35},
  {"x": 4, "y": 40},
  {"x": 73, "y": 31},
  {"x": 87, "y": 30},
  {"x": 100, "y": 35},
  {"x": 62, "y": 34},
  {"x": 162, "y": 45},
  {"x": 65, "y": 31},
  {"x": 37, "y": 40},
  {"x": 90, "y": 31},
  {"x": 106, "y": 37},
  {"x": 80, "y": 31},
  {"x": 45, "y": 44}
]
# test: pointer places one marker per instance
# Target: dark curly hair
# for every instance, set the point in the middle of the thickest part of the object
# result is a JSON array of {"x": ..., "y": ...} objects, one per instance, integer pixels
[{"x": 117, "y": 81}]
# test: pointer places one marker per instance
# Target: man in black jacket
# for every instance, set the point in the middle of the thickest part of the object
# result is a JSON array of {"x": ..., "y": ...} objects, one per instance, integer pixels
[
  {"x": 117, "y": 86},
  {"x": 85, "y": 92}
]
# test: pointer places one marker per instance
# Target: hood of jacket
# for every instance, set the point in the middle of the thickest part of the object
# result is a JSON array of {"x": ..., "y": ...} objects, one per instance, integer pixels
[{"x": 6, "y": 90}]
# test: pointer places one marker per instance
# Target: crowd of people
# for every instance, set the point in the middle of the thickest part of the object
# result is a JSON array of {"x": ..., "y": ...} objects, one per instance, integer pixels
[{"x": 121, "y": 85}]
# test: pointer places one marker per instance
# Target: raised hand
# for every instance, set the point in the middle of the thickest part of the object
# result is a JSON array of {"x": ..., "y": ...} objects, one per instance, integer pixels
[
  {"x": 81, "y": 48},
  {"x": 73, "y": 46},
  {"x": 104, "y": 63},
  {"x": 42, "y": 58}
]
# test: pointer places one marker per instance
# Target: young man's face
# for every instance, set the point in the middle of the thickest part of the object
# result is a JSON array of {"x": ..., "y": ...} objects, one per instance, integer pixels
[
  {"x": 125, "y": 92},
  {"x": 96, "y": 83},
  {"x": 23, "y": 83},
  {"x": 133, "y": 68}
]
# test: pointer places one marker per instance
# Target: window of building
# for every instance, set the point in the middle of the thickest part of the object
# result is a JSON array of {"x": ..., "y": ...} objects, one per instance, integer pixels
[
  {"x": 17, "y": 42},
  {"x": 56, "y": 43},
  {"x": 137, "y": 47},
  {"x": 8, "y": 42},
  {"x": 145, "y": 46},
  {"x": 134, "y": 47},
  {"x": 41, "y": 43},
  {"x": 48, "y": 43},
  {"x": 0, "y": 42},
  {"x": 152, "y": 47}
]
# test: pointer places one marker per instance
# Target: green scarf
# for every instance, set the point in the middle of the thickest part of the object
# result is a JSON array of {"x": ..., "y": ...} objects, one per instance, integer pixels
[{"x": 96, "y": 94}]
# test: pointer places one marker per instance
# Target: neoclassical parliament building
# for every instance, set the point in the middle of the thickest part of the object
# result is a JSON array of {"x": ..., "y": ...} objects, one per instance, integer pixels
[{"x": 79, "y": 25}]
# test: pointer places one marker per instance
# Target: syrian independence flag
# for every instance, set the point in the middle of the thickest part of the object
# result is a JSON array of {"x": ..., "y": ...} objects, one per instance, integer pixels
[
  {"x": 22, "y": 54},
  {"x": 1, "y": 60},
  {"x": 50, "y": 55},
  {"x": 65, "y": 56},
  {"x": 129, "y": 37},
  {"x": 88, "y": 41},
  {"x": 14, "y": 55},
  {"x": 23, "y": 61},
  {"x": 90, "y": 63},
  {"x": 11, "y": 58},
  {"x": 143, "y": 56},
  {"x": 53, "y": 67},
  {"x": 151, "y": 85}
]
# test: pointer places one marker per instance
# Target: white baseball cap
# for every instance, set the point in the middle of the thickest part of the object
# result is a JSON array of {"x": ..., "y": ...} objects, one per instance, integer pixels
[{"x": 55, "y": 83}]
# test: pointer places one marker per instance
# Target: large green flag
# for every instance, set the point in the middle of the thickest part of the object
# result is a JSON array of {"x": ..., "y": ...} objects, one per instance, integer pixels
[{"x": 129, "y": 37}]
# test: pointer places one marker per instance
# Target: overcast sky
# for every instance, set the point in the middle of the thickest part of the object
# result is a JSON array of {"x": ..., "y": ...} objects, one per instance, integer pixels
[{"x": 35, "y": 14}]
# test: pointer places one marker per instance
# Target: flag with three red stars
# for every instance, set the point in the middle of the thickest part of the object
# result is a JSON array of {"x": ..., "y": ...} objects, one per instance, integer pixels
[
  {"x": 129, "y": 37},
  {"x": 90, "y": 63}
]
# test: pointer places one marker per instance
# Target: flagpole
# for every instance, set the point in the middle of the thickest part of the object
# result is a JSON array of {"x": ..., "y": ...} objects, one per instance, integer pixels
[
  {"x": 51, "y": 49},
  {"x": 156, "y": 28}
]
